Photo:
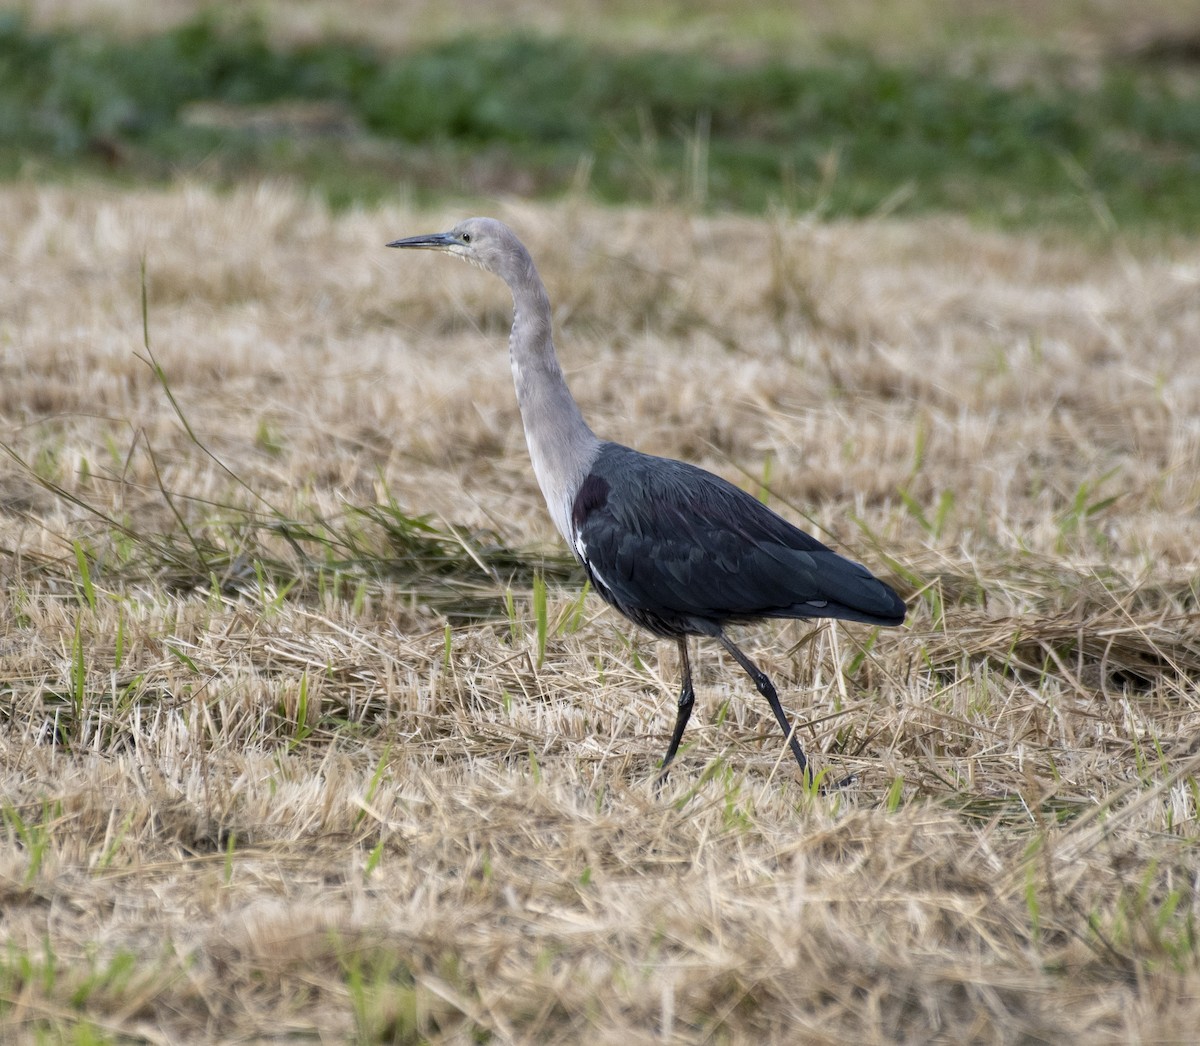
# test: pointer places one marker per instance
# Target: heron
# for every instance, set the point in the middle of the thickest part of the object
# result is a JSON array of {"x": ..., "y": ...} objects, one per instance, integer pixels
[{"x": 677, "y": 550}]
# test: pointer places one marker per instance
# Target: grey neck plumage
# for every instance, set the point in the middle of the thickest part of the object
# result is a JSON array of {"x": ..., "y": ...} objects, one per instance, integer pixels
[{"x": 561, "y": 445}]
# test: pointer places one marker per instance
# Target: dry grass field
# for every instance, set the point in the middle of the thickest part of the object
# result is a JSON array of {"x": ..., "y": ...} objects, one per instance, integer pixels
[
  {"x": 309, "y": 732},
  {"x": 265, "y": 779}
]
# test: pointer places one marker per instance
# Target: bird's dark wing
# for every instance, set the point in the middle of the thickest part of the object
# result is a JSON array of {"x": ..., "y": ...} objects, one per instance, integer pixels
[{"x": 679, "y": 549}]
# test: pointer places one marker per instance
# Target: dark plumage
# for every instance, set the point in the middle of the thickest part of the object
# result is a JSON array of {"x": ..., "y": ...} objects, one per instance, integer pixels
[
  {"x": 683, "y": 552},
  {"x": 672, "y": 547}
]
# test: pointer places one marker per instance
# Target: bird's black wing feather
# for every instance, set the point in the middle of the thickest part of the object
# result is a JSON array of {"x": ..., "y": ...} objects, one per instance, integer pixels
[{"x": 677, "y": 548}]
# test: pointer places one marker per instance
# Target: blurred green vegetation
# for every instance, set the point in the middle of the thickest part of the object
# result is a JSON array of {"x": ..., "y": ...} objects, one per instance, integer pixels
[{"x": 535, "y": 115}]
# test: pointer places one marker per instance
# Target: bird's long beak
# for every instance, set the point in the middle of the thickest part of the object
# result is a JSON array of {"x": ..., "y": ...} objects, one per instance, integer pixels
[{"x": 434, "y": 241}]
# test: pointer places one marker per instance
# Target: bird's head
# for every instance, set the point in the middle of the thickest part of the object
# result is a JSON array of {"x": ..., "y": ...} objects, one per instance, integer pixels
[{"x": 485, "y": 242}]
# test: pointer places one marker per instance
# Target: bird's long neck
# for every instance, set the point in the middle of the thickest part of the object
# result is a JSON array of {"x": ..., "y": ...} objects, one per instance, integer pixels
[{"x": 561, "y": 446}]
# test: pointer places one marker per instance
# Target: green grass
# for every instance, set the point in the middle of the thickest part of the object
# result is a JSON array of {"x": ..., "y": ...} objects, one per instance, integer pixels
[
  {"x": 852, "y": 135},
  {"x": 236, "y": 550}
]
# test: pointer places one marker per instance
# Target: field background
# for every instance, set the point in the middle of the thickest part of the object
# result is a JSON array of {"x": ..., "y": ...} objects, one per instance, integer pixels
[{"x": 308, "y": 732}]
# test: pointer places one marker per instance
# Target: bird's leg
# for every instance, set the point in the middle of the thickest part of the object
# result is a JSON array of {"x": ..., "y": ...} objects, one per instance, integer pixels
[
  {"x": 687, "y": 698},
  {"x": 768, "y": 691}
]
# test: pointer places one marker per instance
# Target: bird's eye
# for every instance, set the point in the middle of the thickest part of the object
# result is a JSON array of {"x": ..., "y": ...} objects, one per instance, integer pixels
[{"x": 466, "y": 237}]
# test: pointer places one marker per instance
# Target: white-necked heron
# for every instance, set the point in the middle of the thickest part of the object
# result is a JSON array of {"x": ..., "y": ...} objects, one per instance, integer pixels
[{"x": 674, "y": 548}]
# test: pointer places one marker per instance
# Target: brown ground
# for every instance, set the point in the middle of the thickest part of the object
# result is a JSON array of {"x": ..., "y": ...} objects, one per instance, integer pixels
[{"x": 234, "y": 816}]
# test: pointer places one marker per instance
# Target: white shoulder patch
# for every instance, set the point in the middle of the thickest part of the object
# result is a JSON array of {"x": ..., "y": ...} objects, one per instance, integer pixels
[{"x": 580, "y": 549}]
